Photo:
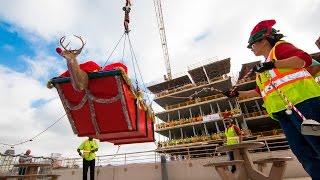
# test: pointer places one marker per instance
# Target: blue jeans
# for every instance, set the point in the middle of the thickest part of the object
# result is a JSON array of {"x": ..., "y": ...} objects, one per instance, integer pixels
[
  {"x": 305, "y": 148},
  {"x": 231, "y": 158}
]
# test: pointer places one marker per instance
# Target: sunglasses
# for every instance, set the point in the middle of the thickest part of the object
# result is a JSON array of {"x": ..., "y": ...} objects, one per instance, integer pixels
[{"x": 252, "y": 43}]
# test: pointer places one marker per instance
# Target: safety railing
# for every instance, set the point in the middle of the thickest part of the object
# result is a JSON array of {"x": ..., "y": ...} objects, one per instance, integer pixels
[
  {"x": 246, "y": 80},
  {"x": 171, "y": 154},
  {"x": 177, "y": 89},
  {"x": 256, "y": 114},
  {"x": 190, "y": 152},
  {"x": 179, "y": 122},
  {"x": 116, "y": 159},
  {"x": 202, "y": 63},
  {"x": 209, "y": 150},
  {"x": 197, "y": 120},
  {"x": 194, "y": 101},
  {"x": 246, "y": 99},
  {"x": 7, "y": 162},
  {"x": 161, "y": 80},
  {"x": 218, "y": 138},
  {"x": 273, "y": 132},
  {"x": 187, "y": 86}
]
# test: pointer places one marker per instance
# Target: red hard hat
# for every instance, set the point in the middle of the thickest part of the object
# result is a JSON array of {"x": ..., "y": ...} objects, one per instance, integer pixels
[{"x": 261, "y": 30}]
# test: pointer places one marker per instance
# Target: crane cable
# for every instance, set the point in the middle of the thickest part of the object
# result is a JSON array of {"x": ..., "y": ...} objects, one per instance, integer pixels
[
  {"x": 37, "y": 135},
  {"x": 127, "y": 9}
]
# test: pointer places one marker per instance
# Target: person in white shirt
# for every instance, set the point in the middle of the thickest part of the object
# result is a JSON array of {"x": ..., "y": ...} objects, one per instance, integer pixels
[{"x": 24, "y": 158}]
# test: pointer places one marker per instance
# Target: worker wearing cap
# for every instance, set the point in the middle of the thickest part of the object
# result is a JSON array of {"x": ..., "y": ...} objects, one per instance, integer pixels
[
  {"x": 233, "y": 136},
  {"x": 89, "y": 148},
  {"x": 284, "y": 67}
]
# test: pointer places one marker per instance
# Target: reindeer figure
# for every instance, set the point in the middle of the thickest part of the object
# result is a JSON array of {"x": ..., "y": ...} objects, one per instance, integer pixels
[{"x": 79, "y": 78}]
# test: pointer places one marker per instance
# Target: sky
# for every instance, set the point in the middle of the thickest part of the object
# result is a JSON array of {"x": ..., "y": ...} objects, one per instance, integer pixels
[{"x": 196, "y": 31}]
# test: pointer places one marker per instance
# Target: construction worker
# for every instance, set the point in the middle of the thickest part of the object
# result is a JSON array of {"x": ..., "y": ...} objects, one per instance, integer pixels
[
  {"x": 126, "y": 9},
  {"x": 89, "y": 148},
  {"x": 24, "y": 158},
  {"x": 281, "y": 78},
  {"x": 233, "y": 136}
]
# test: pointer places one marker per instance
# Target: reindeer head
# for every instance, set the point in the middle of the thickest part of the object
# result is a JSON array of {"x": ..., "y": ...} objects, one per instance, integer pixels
[{"x": 69, "y": 53}]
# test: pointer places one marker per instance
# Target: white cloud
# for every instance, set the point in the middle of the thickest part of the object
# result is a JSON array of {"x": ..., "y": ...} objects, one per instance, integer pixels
[
  {"x": 226, "y": 25},
  {"x": 43, "y": 66}
]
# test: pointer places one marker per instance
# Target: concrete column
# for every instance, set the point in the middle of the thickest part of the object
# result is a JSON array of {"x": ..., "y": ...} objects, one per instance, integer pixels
[
  {"x": 194, "y": 131},
  {"x": 217, "y": 127},
  {"x": 205, "y": 129}
]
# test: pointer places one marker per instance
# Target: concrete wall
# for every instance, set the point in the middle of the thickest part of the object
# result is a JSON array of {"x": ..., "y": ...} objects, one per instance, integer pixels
[{"x": 177, "y": 170}]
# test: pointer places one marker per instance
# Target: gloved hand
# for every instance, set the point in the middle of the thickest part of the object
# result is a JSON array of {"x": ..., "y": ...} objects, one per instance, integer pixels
[
  {"x": 231, "y": 94},
  {"x": 93, "y": 151},
  {"x": 79, "y": 152},
  {"x": 261, "y": 67}
]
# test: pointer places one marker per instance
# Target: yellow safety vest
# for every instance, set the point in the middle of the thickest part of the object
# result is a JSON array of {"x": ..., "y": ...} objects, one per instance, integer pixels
[
  {"x": 297, "y": 84},
  {"x": 87, "y": 146},
  {"x": 232, "y": 137}
]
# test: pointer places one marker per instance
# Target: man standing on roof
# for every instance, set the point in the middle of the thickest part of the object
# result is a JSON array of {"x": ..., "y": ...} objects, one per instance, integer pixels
[
  {"x": 284, "y": 70},
  {"x": 233, "y": 136},
  {"x": 89, "y": 148},
  {"x": 24, "y": 158}
]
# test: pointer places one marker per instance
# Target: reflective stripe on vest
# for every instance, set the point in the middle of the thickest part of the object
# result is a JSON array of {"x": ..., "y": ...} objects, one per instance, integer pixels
[
  {"x": 236, "y": 138},
  {"x": 297, "y": 84},
  {"x": 232, "y": 137},
  {"x": 290, "y": 78}
]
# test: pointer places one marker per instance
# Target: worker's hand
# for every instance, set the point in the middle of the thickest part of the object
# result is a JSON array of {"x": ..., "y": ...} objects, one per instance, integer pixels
[
  {"x": 231, "y": 94},
  {"x": 318, "y": 42},
  {"x": 265, "y": 66},
  {"x": 79, "y": 152},
  {"x": 93, "y": 150}
]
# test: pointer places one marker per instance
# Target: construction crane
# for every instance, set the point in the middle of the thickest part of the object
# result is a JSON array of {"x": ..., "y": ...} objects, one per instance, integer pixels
[{"x": 162, "y": 31}]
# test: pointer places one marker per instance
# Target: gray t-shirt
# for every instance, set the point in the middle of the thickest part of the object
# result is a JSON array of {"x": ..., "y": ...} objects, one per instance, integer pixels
[{"x": 25, "y": 158}]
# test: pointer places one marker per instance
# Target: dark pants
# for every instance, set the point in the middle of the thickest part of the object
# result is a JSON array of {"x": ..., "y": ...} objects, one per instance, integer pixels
[
  {"x": 305, "y": 148},
  {"x": 231, "y": 158},
  {"x": 86, "y": 165},
  {"x": 22, "y": 171}
]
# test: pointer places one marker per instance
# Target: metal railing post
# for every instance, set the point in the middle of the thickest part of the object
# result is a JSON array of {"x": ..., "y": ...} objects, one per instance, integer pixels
[
  {"x": 266, "y": 143},
  {"x": 98, "y": 161}
]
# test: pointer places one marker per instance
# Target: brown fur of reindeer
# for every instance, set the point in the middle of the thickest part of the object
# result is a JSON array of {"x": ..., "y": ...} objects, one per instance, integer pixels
[{"x": 79, "y": 78}]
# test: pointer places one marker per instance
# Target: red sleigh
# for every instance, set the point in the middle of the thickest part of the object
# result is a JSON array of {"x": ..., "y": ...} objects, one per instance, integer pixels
[{"x": 109, "y": 110}]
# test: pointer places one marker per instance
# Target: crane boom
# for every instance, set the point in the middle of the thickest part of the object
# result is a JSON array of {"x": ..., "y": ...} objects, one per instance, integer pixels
[{"x": 162, "y": 31}]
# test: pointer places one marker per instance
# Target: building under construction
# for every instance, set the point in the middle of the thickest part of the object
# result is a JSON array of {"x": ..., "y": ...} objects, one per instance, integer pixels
[{"x": 193, "y": 120}]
